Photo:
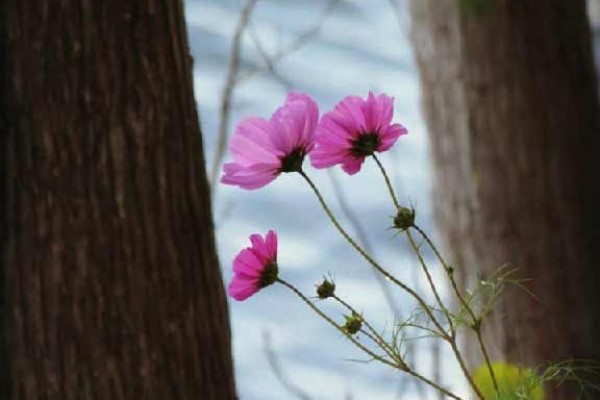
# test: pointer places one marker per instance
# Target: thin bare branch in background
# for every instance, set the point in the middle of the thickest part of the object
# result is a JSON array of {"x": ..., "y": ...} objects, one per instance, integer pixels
[
  {"x": 299, "y": 42},
  {"x": 397, "y": 8},
  {"x": 411, "y": 345},
  {"x": 290, "y": 387},
  {"x": 269, "y": 63},
  {"x": 232, "y": 74},
  {"x": 436, "y": 356}
]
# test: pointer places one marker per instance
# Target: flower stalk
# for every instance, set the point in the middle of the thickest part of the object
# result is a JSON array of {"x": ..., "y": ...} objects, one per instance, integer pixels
[
  {"x": 373, "y": 335},
  {"x": 476, "y": 321},
  {"x": 450, "y": 338},
  {"x": 334, "y": 324},
  {"x": 369, "y": 259}
]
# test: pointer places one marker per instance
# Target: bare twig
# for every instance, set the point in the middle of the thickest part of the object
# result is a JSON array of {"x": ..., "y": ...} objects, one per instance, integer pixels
[
  {"x": 232, "y": 74},
  {"x": 397, "y": 8},
  {"x": 269, "y": 63},
  {"x": 290, "y": 387},
  {"x": 299, "y": 42},
  {"x": 436, "y": 353}
]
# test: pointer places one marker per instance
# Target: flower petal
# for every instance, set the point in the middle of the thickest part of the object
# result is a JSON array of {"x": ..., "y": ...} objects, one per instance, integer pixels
[
  {"x": 259, "y": 147},
  {"x": 311, "y": 117},
  {"x": 250, "y": 264},
  {"x": 322, "y": 157},
  {"x": 352, "y": 165},
  {"x": 250, "y": 177},
  {"x": 348, "y": 113},
  {"x": 259, "y": 247},
  {"x": 241, "y": 289},
  {"x": 378, "y": 112},
  {"x": 271, "y": 245},
  {"x": 287, "y": 127},
  {"x": 339, "y": 134},
  {"x": 247, "y": 262},
  {"x": 250, "y": 143},
  {"x": 390, "y": 135}
]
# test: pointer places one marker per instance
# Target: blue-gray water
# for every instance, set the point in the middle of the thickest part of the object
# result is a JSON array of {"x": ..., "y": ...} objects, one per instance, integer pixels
[{"x": 362, "y": 46}]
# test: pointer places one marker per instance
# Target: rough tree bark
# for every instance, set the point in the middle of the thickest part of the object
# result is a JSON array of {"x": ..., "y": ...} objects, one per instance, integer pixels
[
  {"x": 509, "y": 95},
  {"x": 110, "y": 281}
]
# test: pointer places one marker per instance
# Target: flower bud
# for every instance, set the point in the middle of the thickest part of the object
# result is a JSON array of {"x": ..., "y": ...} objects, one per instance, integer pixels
[
  {"x": 353, "y": 323},
  {"x": 405, "y": 218},
  {"x": 326, "y": 289}
]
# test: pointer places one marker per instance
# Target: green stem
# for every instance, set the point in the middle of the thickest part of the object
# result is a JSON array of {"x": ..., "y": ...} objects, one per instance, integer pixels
[
  {"x": 388, "y": 182},
  {"x": 368, "y": 258},
  {"x": 432, "y": 384},
  {"x": 430, "y": 280},
  {"x": 381, "y": 270},
  {"x": 402, "y": 367},
  {"x": 487, "y": 358},
  {"x": 452, "y": 337},
  {"x": 448, "y": 270},
  {"x": 381, "y": 345},
  {"x": 335, "y": 325},
  {"x": 476, "y": 323},
  {"x": 465, "y": 370},
  {"x": 374, "y": 335},
  {"x": 412, "y": 242}
]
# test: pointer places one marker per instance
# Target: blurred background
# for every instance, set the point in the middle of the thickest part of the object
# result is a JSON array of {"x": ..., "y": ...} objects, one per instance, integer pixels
[
  {"x": 328, "y": 49},
  {"x": 248, "y": 56}
]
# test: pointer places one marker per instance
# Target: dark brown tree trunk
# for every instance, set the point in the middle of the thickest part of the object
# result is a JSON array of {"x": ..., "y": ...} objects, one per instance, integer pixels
[
  {"x": 509, "y": 95},
  {"x": 110, "y": 282}
]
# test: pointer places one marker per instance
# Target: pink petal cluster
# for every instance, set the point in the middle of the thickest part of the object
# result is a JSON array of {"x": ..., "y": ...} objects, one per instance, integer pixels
[
  {"x": 263, "y": 149},
  {"x": 254, "y": 267},
  {"x": 355, "y": 129}
]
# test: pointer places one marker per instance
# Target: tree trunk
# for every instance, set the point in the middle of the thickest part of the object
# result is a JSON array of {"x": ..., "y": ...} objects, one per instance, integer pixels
[
  {"x": 110, "y": 282},
  {"x": 509, "y": 95}
]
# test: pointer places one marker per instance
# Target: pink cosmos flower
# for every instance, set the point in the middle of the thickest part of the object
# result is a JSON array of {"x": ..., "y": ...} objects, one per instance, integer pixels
[
  {"x": 355, "y": 129},
  {"x": 263, "y": 149},
  {"x": 254, "y": 267}
]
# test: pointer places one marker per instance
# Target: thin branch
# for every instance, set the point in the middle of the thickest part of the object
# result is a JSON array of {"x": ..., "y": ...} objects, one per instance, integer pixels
[
  {"x": 398, "y": 13},
  {"x": 269, "y": 63},
  {"x": 226, "y": 98},
  {"x": 290, "y": 387},
  {"x": 436, "y": 353},
  {"x": 300, "y": 41}
]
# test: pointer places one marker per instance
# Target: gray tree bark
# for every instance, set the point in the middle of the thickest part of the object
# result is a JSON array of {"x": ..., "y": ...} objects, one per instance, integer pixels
[
  {"x": 109, "y": 280},
  {"x": 509, "y": 96}
]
